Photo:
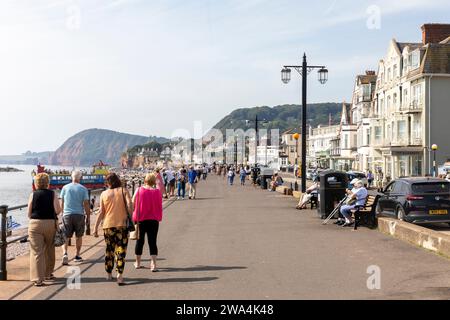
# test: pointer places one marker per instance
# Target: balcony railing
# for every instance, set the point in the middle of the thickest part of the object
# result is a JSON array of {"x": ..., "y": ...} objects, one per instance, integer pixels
[
  {"x": 414, "y": 106},
  {"x": 335, "y": 152},
  {"x": 364, "y": 98}
]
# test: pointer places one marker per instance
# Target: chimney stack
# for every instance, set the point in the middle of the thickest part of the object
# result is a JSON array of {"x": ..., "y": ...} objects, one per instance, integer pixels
[
  {"x": 370, "y": 73},
  {"x": 435, "y": 32}
]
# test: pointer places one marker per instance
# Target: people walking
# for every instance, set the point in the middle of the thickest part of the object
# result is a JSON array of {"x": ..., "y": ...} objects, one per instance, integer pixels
[
  {"x": 231, "y": 175},
  {"x": 205, "y": 172},
  {"x": 192, "y": 180},
  {"x": 370, "y": 179},
  {"x": 76, "y": 214},
  {"x": 43, "y": 208},
  {"x": 147, "y": 213},
  {"x": 242, "y": 175},
  {"x": 92, "y": 203},
  {"x": 181, "y": 179},
  {"x": 166, "y": 183},
  {"x": 159, "y": 181},
  {"x": 115, "y": 205},
  {"x": 171, "y": 183}
]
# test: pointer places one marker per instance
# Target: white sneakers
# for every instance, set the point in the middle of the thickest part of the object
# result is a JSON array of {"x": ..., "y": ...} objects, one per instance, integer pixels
[{"x": 65, "y": 260}]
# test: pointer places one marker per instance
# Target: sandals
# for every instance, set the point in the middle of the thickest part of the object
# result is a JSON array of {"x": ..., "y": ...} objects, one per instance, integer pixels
[
  {"x": 136, "y": 266},
  {"x": 39, "y": 284}
]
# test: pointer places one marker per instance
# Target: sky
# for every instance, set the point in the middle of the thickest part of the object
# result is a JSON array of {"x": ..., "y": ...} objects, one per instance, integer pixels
[{"x": 154, "y": 67}]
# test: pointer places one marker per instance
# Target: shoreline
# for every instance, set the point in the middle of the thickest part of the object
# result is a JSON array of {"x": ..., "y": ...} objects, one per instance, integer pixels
[{"x": 10, "y": 169}]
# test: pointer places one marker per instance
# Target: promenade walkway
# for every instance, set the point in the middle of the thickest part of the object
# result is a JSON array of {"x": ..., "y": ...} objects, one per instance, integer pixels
[{"x": 237, "y": 242}]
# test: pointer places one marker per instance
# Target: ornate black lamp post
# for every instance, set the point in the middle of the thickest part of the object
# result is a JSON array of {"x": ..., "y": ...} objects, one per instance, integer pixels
[{"x": 304, "y": 70}]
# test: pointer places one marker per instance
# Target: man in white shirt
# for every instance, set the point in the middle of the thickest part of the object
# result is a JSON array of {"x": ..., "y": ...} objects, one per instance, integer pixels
[
  {"x": 358, "y": 196},
  {"x": 170, "y": 182}
]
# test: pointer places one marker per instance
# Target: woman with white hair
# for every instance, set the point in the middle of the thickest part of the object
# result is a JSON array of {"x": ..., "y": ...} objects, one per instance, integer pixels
[{"x": 355, "y": 197}]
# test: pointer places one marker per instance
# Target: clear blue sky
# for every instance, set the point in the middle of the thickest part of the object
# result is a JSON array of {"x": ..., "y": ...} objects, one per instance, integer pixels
[{"x": 150, "y": 67}]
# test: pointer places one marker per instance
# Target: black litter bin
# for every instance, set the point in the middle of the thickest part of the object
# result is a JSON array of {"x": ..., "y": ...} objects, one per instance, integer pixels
[
  {"x": 333, "y": 185},
  {"x": 266, "y": 175}
]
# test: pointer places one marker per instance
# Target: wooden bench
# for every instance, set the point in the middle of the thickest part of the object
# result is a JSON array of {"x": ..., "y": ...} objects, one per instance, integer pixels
[{"x": 366, "y": 214}]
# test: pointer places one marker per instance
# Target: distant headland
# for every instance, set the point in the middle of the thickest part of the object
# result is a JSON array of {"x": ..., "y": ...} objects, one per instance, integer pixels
[{"x": 10, "y": 169}]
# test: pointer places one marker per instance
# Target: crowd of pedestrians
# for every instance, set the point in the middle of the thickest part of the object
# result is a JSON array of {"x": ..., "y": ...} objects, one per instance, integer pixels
[{"x": 54, "y": 217}]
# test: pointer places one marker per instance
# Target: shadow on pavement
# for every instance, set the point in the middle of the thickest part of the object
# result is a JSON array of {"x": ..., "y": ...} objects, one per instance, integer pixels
[
  {"x": 201, "y": 268},
  {"x": 137, "y": 281}
]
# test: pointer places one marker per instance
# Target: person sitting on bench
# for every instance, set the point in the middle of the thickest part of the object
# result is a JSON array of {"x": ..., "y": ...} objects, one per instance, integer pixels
[
  {"x": 311, "y": 192},
  {"x": 355, "y": 198}
]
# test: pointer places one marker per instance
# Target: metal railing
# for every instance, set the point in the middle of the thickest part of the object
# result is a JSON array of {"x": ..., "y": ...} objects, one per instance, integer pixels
[
  {"x": 3, "y": 239},
  {"x": 4, "y": 210}
]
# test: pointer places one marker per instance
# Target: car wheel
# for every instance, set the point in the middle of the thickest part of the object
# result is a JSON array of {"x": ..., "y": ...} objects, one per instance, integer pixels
[
  {"x": 378, "y": 211},
  {"x": 401, "y": 214}
]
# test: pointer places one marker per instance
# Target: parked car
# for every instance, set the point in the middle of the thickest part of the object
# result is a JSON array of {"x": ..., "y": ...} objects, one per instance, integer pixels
[
  {"x": 309, "y": 174},
  {"x": 416, "y": 200},
  {"x": 359, "y": 175}
]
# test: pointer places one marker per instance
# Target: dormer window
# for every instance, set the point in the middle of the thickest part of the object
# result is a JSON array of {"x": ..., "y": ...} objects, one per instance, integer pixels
[{"x": 415, "y": 59}]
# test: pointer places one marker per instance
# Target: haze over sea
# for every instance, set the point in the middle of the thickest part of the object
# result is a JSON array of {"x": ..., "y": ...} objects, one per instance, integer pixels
[{"x": 15, "y": 188}]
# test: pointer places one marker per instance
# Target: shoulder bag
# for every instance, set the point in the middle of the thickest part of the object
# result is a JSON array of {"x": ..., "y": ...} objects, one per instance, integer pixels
[
  {"x": 130, "y": 224},
  {"x": 60, "y": 234},
  {"x": 134, "y": 235}
]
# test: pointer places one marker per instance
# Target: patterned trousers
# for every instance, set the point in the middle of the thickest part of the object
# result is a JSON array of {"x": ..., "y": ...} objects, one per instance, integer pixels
[{"x": 116, "y": 240}]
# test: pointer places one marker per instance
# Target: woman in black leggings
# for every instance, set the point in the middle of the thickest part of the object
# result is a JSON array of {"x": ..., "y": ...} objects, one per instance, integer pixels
[{"x": 148, "y": 213}]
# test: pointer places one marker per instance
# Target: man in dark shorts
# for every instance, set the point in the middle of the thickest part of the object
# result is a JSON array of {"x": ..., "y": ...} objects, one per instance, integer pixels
[{"x": 76, "y": 213}]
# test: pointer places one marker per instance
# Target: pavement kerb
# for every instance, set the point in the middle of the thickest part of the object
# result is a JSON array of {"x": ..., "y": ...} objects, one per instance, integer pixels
[{"x": 423, "y": 237}]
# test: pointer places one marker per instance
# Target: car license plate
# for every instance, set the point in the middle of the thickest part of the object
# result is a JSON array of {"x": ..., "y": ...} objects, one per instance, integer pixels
[{"x": 438, "y": 211}]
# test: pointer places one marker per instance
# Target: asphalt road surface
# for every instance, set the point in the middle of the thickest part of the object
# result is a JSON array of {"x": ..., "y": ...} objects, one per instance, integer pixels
[{"x": 237, "y": 242}]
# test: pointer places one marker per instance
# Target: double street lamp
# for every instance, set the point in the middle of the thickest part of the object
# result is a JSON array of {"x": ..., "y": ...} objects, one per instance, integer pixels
[{"x": 304, "y": 70}]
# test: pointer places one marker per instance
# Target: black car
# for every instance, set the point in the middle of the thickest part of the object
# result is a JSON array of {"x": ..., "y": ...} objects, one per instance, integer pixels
[{"x": 416, "y": 200}]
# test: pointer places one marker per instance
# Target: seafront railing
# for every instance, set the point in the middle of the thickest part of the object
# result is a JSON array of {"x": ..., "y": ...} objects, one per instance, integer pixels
[{"x": 4, "y": 241}]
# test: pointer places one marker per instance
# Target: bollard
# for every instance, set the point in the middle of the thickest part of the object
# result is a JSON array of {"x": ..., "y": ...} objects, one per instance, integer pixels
[
  {"x": 3, "y": 244},
  {"x": 132, "y": 185}
]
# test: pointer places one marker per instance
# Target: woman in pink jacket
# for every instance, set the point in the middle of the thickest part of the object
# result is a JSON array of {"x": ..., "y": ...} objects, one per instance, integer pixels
[
  {"x": 148, "y": 213},
  {"x": 160, "y": 182}
]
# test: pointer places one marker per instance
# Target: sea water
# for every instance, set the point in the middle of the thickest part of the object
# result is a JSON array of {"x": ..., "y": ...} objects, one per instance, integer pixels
[{"x": 16, "y": 187}]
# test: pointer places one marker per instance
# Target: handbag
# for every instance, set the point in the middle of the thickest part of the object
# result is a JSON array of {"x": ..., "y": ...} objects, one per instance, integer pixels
[
  {"x": 130, "y": 224},
  {"x": 134, "y": 235},
  {"x": 60, "y": 235}
]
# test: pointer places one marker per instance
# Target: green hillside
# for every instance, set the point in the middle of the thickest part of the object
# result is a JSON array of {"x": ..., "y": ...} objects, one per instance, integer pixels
[{"x": 282, "y": 117}]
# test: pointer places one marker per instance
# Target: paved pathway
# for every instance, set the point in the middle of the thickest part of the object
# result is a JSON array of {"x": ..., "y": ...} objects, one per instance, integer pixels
[{"x": 237, "y": 242}]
